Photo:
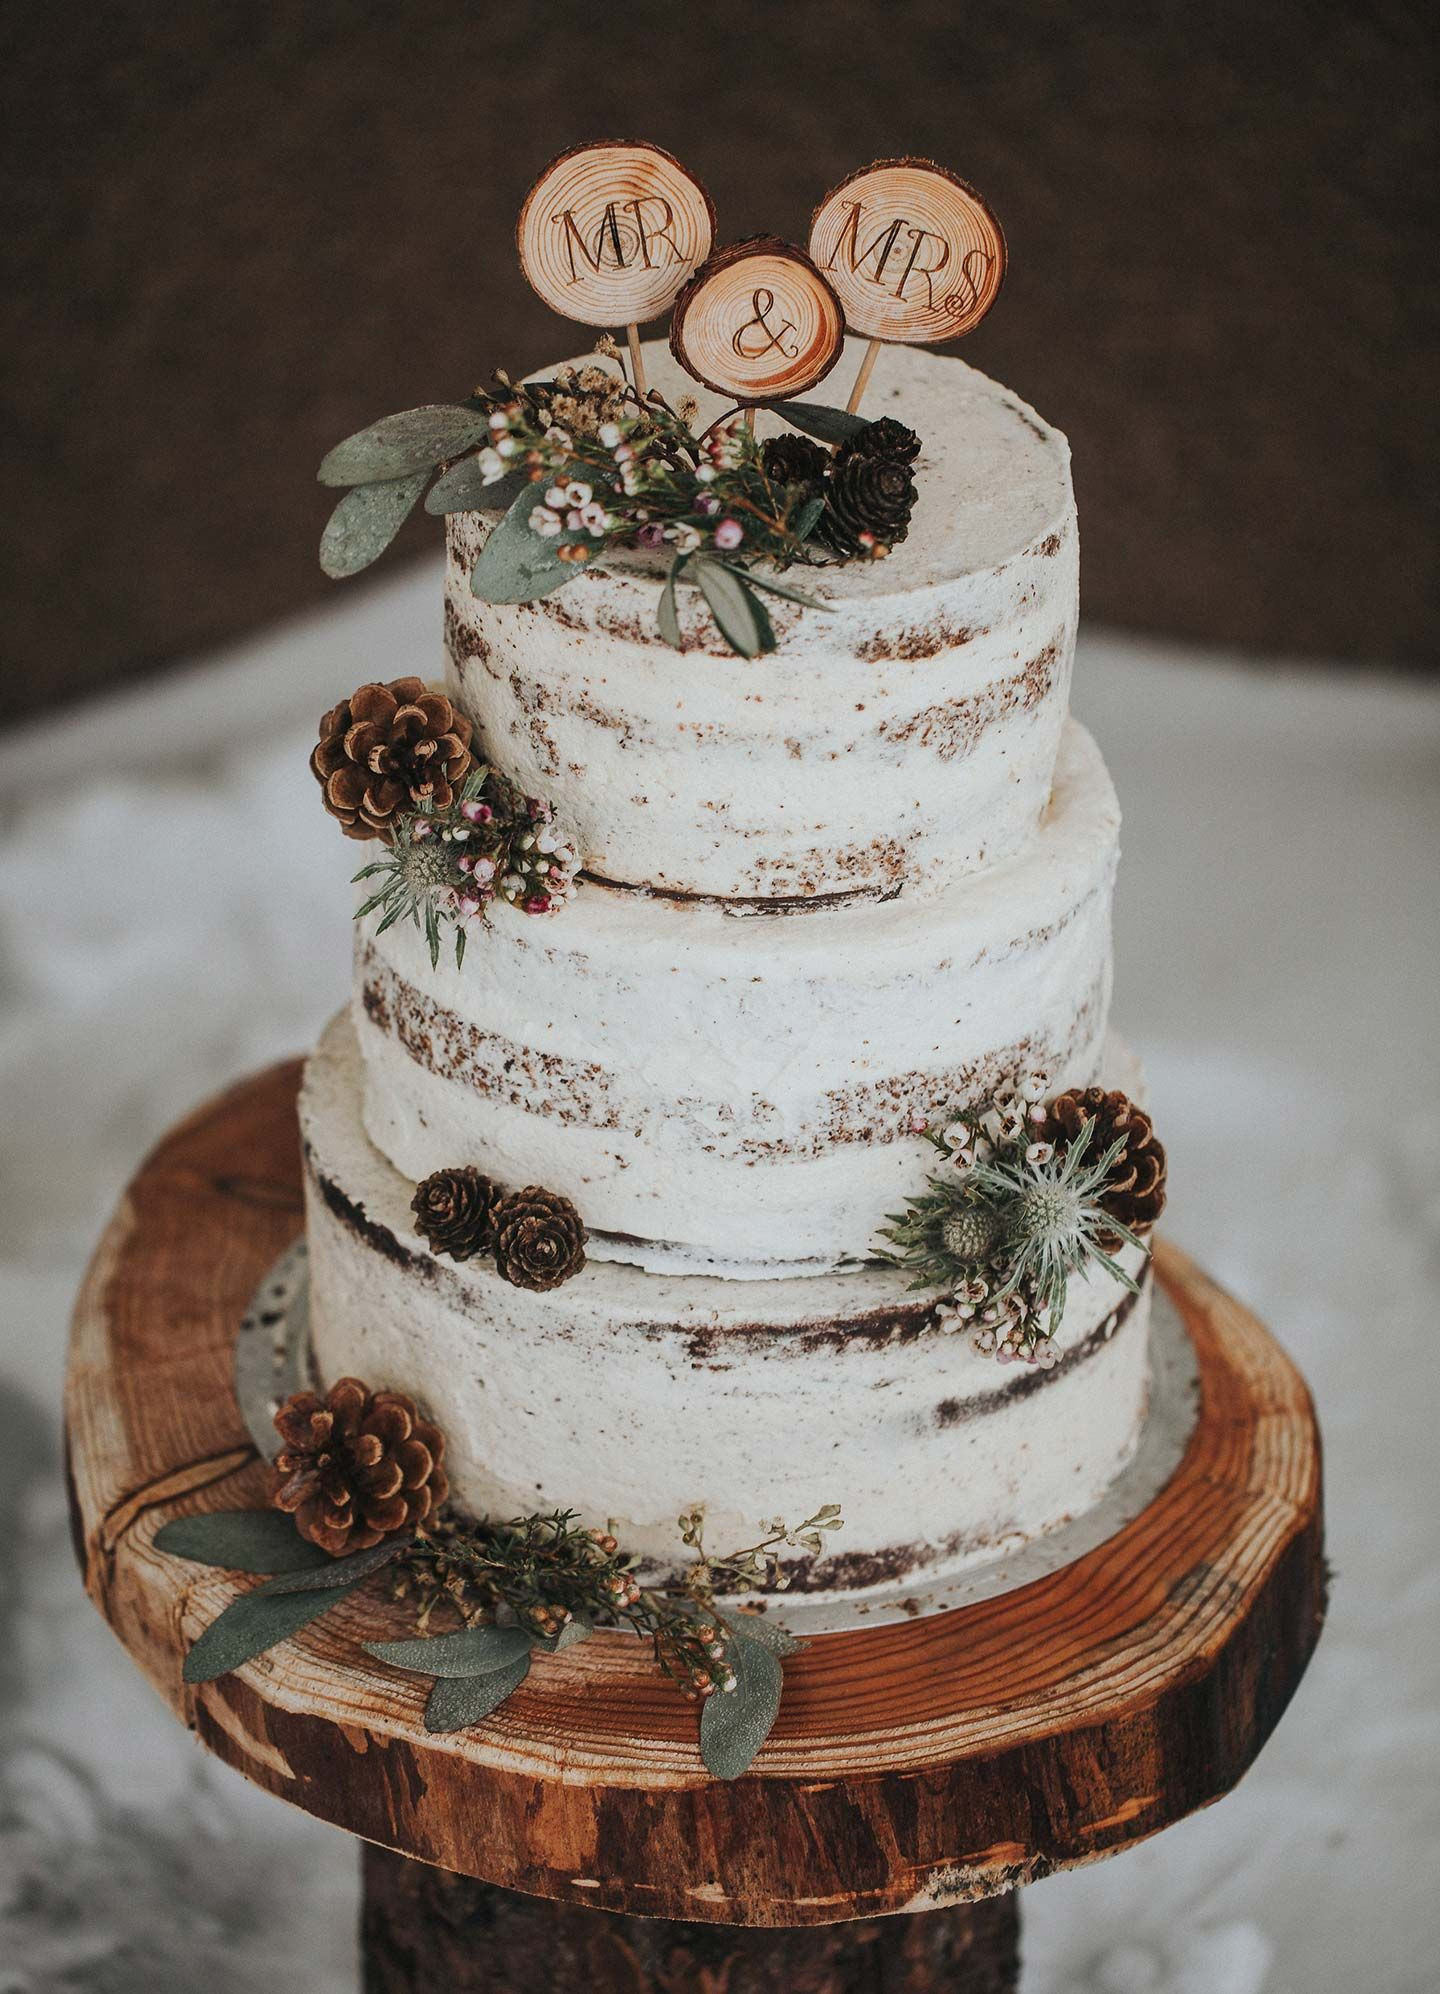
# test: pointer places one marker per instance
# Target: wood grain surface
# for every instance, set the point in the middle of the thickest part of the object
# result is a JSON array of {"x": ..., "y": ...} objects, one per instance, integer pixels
[
  {"x": 758, "y": 322},
  {"x": 935, "y": 1761},
  {"x": 912, "y": 249}
]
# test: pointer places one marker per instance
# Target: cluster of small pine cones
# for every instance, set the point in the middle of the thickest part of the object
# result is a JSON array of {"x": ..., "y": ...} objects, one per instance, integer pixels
[{"x": 536, "y": 1236}]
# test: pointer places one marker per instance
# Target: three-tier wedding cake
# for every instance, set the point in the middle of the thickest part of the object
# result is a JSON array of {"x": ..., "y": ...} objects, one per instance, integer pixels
[{"x": 830, "y": 897}]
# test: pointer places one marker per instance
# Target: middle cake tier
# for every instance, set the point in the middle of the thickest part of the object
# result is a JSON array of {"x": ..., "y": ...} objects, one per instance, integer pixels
[{"x": 732, "y": 1093}]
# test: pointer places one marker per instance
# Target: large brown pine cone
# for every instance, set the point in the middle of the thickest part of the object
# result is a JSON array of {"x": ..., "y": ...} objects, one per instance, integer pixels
[
  {"x": 868, "y": 501},
  {"x": 1135, "y": 1190},
  {"x": 386, "y": 749},
  {"x": 887, "y": 438},
  {"x": 793, "y": 460},
  {"x": 539, "y": 1239},
  {"x": 455, "y": 1211},
  {"x": 356, "y": 1465}
]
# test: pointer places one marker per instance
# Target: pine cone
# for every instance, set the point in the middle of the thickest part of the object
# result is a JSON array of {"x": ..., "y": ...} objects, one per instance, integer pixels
[
  {"x": 1135, "y": 1191},
  {"x": 356, "y": 1465},
  {"x": 455, "y": 1211},
  {"x": 868, "y": 501},
  {"x": 887, "y": 438},
  {"x": 387, "y": 748},
  {"x": 539, "y": 1239},
  {"x": 793, "y": 460}
]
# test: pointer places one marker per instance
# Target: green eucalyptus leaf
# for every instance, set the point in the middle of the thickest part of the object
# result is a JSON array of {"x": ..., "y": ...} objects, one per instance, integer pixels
[
  {"x": 667, "y": 617},
  {"x": 735, "y": 1723},
  {"x": 338, "y": 1571},
  {"x": 768, "y": 640},
  {"x": 415, "y": 440},
  {"x": 806, "y": 520},
  {"x": 456, "y": 1702},
  {"x": 463, "y": 489},
  {"x": 365, "y": 522},
  {"x": 473, "y": 1651},
  {"x": 756, "y": 1627},
  {"x": 732, "y": 605},
  {"x": 826, "y": 425},
  {"x": 254, "y": 1622},
  {"x": 515, "y": 564},
  {"x": 241, "y": 1540},
  {"x": 758, "y": 581},
  {"x": 577, "y": 1628}
]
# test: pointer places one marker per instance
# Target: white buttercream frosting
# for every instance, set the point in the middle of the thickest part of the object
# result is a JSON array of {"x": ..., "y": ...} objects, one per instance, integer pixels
[
  {"x": 743, "y": 1088},
  {"x": 633, "y": 1396},
  {"x": 900, "y": 740}
]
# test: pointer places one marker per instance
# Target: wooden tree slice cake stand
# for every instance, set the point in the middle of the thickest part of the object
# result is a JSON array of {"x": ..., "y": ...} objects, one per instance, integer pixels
[{"x": 931, "y": 1765}]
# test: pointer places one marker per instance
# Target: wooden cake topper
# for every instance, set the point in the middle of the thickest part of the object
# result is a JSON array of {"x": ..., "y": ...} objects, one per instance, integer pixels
[
  {"x": 914, "y": 252},
  {"x": 610, "y": 232},
  {"x": 758, "y": 322}
]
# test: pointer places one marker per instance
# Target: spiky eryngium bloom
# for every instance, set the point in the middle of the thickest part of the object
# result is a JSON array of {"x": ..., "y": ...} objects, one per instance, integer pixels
[
  {"x": 1055, "y": 1220},
  {"x": 444, "y": 867},
  {"x": 1004, "y": 1229}
]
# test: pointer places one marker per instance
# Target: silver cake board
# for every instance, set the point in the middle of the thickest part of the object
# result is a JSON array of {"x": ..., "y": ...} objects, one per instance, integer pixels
[{"x": 272, "y": 1360}]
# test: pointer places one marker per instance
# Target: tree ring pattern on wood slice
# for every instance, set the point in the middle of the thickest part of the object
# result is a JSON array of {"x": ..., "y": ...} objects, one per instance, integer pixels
[
  {"x": 758, "y": 322},
  {"x": 609, "y": 233},
  {"x": 914, "y": 252}
]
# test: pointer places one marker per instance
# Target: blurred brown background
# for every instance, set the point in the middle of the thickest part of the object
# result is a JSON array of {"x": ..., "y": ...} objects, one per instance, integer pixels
[{"x": 237, "y": 232}]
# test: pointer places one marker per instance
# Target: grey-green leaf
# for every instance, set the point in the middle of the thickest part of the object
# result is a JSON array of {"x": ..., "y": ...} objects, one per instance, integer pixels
[
  {"x": 735, "y": 1723},
  {"x": 415, "y": 440},
  {"x": 758, "y": 581},
  {"x": 365, "y": 522},
  {"x": 668, "y": 615},
  {"x": 338, "y": 1571},
  {"x": 463, "y": 489},
  {"x": 456, "y": 1702},
  {"x": 473, "y": 1651},
  {"x": 756, "y": 1627},
  {"x": 251, "y": 1624},
  {"x": 808, "y": 518},
  {"x": 516, "y": 564},
  {"x": 731, "y": 604},
  {"x": 576, "y": 1628},
  {"x": 826, "y": 425},
  {"x": 241, "y": 1540}
]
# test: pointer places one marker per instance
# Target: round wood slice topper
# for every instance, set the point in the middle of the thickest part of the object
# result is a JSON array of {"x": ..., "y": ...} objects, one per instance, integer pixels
[
  {"x": 758, "y": 322},
  {"x": 610, "y": 232},
  {"x": 914, "y": 252}
]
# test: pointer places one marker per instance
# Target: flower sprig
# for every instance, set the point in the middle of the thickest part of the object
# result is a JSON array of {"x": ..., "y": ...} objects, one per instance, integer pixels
[
  {"x": 443, "y": 867},
  {"x": 1031, "y": 1195},
  {"x": 538, "y": 1582},
  {"x": 582, "y": 465}
]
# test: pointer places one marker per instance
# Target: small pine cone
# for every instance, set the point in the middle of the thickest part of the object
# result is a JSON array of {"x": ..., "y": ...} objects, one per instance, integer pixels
[
  {"x": 539, "y": 1239},
  {"x": 1135, "y": 1191},
  {"x": 794, "y": 460},
  {"x": 868, "y": 502},
  {"x": 356, "y": 1465},
  {"x": 455, "y": 1211},
  {"x": 887, "y": 438},
  {"x": 389, "y": 748}
]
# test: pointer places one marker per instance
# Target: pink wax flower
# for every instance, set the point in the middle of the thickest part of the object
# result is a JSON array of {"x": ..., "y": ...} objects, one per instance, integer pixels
[{"x": 729, "y": 533}]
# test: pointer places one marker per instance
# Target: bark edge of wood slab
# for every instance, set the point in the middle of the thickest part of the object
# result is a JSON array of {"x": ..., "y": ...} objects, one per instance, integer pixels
[{"x": 931, "y": 1762}]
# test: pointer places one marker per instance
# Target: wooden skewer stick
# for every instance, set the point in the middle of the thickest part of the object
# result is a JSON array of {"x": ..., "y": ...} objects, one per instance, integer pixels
[
  {"x": 862, "y": 379},
  {"x": 637, "y": 364}
]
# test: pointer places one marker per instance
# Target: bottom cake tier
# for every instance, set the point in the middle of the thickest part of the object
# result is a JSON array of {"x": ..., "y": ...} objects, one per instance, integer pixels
[{"x": 633, "y": 1397}]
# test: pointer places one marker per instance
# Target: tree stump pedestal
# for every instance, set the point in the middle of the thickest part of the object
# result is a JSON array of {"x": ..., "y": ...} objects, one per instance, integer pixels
[{"x": 927, "y": 1766}]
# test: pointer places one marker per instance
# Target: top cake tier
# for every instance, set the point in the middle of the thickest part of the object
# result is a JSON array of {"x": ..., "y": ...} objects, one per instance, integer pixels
[{"x": 903, "y": 739}]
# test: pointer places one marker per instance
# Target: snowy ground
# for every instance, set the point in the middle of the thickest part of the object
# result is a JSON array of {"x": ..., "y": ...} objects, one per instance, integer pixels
[{"x": 173, "y": 912}]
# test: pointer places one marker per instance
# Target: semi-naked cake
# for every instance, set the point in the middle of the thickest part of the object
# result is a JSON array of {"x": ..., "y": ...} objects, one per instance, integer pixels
[{"x": 830, "y": 897}]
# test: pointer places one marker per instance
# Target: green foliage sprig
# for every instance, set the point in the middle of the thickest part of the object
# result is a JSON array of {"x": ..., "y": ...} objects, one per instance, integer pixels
[
  {"x": 581, "y": 464},
  {"x": 539, "y": 1582},
  {"x": 442, "y": 868},
  {"x": 1006, "y": 1224}
]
